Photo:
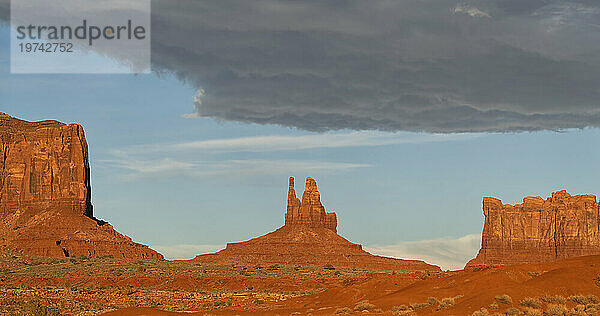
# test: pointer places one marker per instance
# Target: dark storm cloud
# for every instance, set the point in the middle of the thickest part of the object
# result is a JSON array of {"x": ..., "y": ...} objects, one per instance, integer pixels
[{"x": 426, "y": 65}]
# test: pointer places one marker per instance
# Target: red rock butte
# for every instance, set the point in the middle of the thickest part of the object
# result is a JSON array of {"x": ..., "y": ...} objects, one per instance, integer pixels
[
  {"x": 538, "y": 230},
  {"x": 308, "y": 237},
  {"x": 45, "y": 195}
]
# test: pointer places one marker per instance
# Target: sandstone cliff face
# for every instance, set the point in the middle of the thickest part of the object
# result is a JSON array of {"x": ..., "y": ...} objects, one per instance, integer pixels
[
  {"x": 309, "y": 238},
  {"x": 539, "y": 230},
  {"x": 45, "y": 194},
  {"x": 310, "y": 212}
]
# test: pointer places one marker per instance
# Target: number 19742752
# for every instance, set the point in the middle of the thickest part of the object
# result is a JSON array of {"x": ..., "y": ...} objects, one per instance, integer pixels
[{"x": 46, "y": 47}]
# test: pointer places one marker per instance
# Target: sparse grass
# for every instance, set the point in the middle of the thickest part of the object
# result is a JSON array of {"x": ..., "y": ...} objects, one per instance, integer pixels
[
  {"x": 504, "y": 299},
  {"x": 36, "y": 308},
  {"x": 364, "y": 306},
  {"x": 557, "y": 299},
  {"x": 329, "y": 266},
  {"x": 273, "y": 267},
  {"x": 221, "y": 303},
  {"x": 557, "y": 310},
  {"x": 433, "y": 301},
  {"x": 343, "y": 311},
  {"x": 531, "y": 302}
]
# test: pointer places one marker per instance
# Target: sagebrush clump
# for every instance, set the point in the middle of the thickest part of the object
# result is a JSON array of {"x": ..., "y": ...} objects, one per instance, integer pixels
[
  {"x": 528, "y": 311},
  {"x": 433, "y": 301},
  {"x": 557, "y": 310},
  {"x": 504, "y": 299},
  {"x": 343, "y": 311},
  {"x": 584, "y": 300},
  {"x": 416, "y": 306},
  {"x": 364, "y": 306},
  {"x": 557, "y": 299},
  {"x": 531, "y": 302}
]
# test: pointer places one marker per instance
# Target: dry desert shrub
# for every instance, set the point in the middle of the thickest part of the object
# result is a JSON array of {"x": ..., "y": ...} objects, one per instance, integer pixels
[
  {"x": 528, "y": 311},
  {"x": 416, "y": 306},
  {"x": 584, "y": 300},
  {"x": 592, "y": 309},
  {"x": 448, "y": 302},
  {"x": 343, "y": 311},
  {"x": 512, "y": 311},
  {"x": 578, "y": 310},
  {"x": 493, "y": 306},
  {"x": 557, "y": 310},
  {"x": 404, "y": 313},
  {"x": 400, "y": 308},
  {"x": 504, "y": 299},
  {"x": 557, "y": 299},
  {"x": 433, "y": 301},
  {"x": 531, "y": 302},
  {"x": 364, "y": 306}
]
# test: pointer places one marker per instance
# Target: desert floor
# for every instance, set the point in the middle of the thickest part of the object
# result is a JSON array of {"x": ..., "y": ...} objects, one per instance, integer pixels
[{"x": 90, "y": 286}]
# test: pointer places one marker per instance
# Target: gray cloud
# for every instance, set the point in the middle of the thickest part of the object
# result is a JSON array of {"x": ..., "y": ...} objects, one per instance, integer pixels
[
  {"x": 429, "y": 65},
  {"x": 435, "y": 66}
]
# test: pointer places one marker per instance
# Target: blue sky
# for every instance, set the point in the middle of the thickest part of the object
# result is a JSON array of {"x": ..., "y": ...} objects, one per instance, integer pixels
[{"x": 185, "y": 185}]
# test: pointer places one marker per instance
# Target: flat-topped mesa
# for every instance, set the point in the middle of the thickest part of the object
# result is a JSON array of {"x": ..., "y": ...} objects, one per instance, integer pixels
[
  {"x": 538, "y": 230},
  {"x": 45, "y": 195},
  {"x": 310, "y": 212}
]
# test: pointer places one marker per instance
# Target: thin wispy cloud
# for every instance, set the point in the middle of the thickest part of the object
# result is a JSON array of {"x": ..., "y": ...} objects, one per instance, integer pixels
[
  {"x": 177, "y": 159},
  {"x": 171, "y": 168},
  {"x": 272, "y": 143},
  {"x": 149, "y": 166},
  {"x": 448, "y": 253}
]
